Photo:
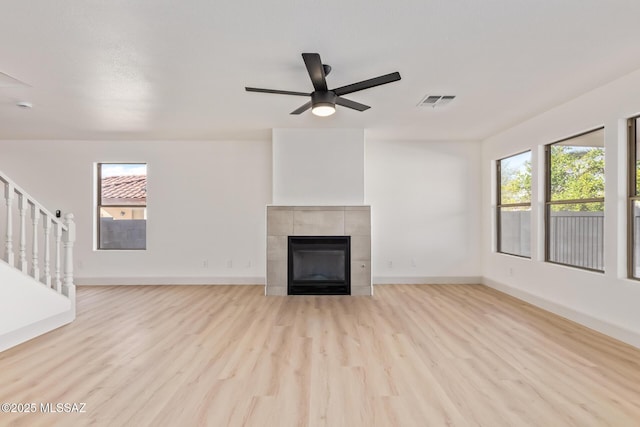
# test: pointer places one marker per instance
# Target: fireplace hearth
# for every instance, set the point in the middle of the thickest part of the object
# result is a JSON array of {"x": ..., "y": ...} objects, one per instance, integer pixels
[{"x": 319, "y": 265}]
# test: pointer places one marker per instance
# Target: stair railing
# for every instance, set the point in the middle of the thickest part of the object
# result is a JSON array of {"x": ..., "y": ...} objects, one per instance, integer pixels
[{"x": 44, "y": 243}]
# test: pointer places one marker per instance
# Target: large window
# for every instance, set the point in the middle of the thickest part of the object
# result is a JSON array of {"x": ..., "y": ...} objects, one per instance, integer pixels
[
  {"x": 514, "y": 205},
  {"x": 575, "y": 201},
  {"x": 122, "y": 206},
  {"x": 634, "y": 198}
]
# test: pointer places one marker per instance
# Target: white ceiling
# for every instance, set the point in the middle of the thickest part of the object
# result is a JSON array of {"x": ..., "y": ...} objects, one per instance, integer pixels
[{"x": 167, "y": 69}]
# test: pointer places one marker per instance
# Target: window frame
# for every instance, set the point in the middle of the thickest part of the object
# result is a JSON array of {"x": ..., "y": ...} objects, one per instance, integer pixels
[
  {"x": 549, "y": 203},
  {"x": 632, "y": 193},
  {"x": 500, "y": 205},
  {"x": 99, "y": 206}
]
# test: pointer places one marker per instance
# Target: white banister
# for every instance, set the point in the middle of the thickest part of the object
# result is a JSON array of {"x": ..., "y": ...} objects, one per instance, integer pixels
[
  {"x": 35, "y": 217},
  {"x": 57, "y": 272},
  {"x": 22, "y": 206},
  {"x": 69, "y": 239},
  {"x": 9, "y": 194}
]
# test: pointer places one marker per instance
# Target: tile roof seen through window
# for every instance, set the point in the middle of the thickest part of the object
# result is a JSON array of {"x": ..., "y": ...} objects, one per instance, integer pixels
[{"x": 125, "y": 187}]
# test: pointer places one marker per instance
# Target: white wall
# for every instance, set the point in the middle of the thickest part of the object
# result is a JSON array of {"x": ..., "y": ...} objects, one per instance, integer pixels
[
  {"x": 318, "y": 166},
  {"x": 206, "y": 206},
  {"x": 607, "y": 302},
  {"x": 22, "y": 300},
  {"x": 424, "y": 197},
  {"x": 27, "y": 308},
  {"x": 425, "y": 211}
]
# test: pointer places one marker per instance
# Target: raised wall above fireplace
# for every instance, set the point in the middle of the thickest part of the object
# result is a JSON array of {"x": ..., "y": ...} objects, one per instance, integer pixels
[
  {"x": 318, "y": 167},
  {"x": 285, "y": 221}
]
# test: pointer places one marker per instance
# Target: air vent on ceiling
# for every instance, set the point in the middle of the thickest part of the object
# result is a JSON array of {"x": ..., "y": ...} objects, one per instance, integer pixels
[{"x": 436, "y": 100}]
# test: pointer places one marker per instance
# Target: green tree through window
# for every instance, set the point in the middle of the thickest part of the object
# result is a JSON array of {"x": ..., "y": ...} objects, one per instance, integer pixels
[
  {"x": 576, "y": 173},
  {"x": 575, "y": 201},
  {"x": 514, "y": 205},
  {"x": 516, "y": 184}
]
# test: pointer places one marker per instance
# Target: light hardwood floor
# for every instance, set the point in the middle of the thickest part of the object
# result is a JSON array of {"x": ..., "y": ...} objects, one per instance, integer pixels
[{"x": 460, "y": 355}]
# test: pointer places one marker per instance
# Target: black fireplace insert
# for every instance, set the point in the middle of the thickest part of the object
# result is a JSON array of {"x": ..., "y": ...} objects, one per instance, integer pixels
[{"x": 319, "y": 265}]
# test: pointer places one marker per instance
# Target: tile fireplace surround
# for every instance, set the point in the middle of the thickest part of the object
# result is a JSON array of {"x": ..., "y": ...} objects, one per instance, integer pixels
[{"x": 284, "y": 221}]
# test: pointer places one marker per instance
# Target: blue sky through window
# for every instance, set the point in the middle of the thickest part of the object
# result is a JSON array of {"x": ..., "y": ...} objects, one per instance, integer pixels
[
  {"x": 515, "y": 162},
  {"x": 119, "y": 169}
]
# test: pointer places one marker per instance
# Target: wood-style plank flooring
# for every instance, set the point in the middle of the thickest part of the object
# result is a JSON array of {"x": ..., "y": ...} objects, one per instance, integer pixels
[{"x": 447, "y": 355}]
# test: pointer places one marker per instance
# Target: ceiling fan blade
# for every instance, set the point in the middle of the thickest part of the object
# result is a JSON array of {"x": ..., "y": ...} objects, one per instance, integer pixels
[
  {"x": 351, "y": 104},
  {"x": 281, "y": 92},
  {"x": 302, "y": 109},
  {"x": 316, "y": 71},
  {"x": 366, "y": 84}
]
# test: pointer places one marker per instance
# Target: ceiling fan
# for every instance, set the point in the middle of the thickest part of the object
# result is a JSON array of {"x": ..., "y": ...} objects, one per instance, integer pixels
[{"x": 323, "y": 101}]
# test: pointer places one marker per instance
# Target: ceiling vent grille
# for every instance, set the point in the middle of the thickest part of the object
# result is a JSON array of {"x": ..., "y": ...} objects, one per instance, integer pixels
[{"x": 434, "y": 101}]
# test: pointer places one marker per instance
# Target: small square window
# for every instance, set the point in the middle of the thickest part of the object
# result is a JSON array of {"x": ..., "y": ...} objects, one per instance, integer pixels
[{"x": 122, "y": 206}]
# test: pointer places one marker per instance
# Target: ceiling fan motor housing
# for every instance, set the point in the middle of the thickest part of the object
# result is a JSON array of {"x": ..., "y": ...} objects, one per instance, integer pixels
[{"x": 323, "y": 98}]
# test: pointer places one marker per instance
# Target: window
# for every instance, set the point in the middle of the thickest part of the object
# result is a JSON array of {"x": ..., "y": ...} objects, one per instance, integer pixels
[
  {"x": 634, "y": 198},
  {"x": 122, "y": 206},
  {"x": 514, "y": 205},
  {"x": 575, "y": 201}
]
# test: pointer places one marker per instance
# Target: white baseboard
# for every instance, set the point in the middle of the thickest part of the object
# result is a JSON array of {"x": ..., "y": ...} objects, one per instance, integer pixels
[
  {"x": 383, "y": 280},
  {"x": 21, "y": 335},
  {"x": 430, "y": 280},
  {"x": 89, "y": 281},
  {"x": 600, "y": 325}
]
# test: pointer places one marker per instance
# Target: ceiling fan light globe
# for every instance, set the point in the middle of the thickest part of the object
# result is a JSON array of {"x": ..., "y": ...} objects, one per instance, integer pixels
[{"x": 323, "y": 110}]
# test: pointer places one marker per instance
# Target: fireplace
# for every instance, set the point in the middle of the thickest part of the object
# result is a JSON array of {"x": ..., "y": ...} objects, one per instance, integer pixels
[
  {"x": 351, "y": 225},
  {"x": 319, "y": 265}
]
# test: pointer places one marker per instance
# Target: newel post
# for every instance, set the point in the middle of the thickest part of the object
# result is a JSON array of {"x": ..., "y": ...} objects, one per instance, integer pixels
[{"x": 69, "y": 239}]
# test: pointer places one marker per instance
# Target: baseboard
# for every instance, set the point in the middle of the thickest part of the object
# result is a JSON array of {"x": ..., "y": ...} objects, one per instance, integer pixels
[
  {"x": 597, "y": 324},
  {"x": 384, "y": 280},
  {"x": 24, "y": 334},
  {"x": 89, "y": 281},
  {"x": 430, "y": 280}
]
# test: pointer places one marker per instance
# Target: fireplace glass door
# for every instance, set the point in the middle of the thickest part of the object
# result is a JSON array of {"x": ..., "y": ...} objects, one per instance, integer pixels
[{"x": 319, "y": 265}]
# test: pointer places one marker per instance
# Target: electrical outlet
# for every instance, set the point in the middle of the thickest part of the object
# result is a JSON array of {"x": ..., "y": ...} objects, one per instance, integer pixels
[
  {"x": 413, "y": 262},
  {"x": 205, "y": 264},
  {"x": 390, "y": 264},
  {"x": 229, "y": 263},
  {"x": 510, "y": 272}
]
